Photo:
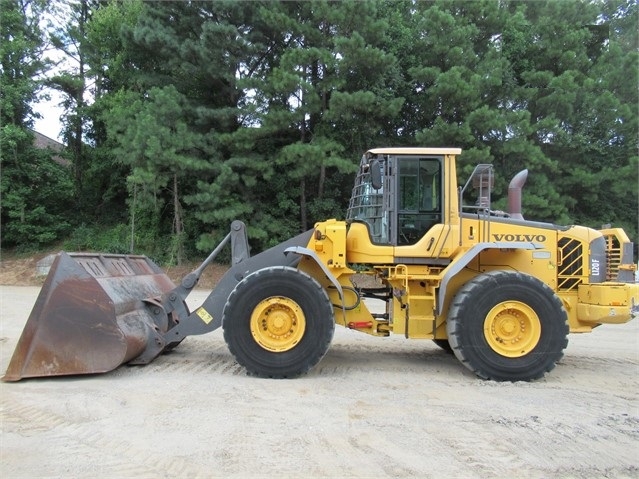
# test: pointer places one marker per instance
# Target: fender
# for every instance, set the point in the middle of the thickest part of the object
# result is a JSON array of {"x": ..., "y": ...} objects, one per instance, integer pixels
[
  {"x": 208, "y": 317},
  {"x": 468, "y": 256},
  {"x": 302, "y": 251}
]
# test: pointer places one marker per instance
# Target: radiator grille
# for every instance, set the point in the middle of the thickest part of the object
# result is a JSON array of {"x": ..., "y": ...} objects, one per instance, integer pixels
[
  {"x": 571, "y": 265},
  {"x": 614, "y": 256}
]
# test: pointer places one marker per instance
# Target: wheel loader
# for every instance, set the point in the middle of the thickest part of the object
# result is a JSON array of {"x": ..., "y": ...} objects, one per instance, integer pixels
[{"x": 497, "y": 290}]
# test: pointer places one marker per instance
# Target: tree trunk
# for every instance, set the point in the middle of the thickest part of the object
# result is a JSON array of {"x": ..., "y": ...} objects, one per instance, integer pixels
[
  {"x": 178, "y": 226},
  {"x": 135, "y": 195},
  {"x": 322, "y": 180},
  {"x": 303, "y": 218},
  {"x": 76, "y": 127}
]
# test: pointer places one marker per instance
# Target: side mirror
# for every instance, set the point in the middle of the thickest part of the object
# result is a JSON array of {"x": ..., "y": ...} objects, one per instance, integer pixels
[{"x": 376, "y": 174}]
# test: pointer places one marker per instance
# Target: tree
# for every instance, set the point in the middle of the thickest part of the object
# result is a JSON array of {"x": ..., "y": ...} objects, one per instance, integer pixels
[
  {"x": 598, "y": 138},
  {"x": 458, "y": 91},
  {"x": 155, "y": 141},
  {"x": 34, "y": 189},
  {"x": 71, "y": 77},
  {"x": 167, "y": 92},
  {"x": 206, "y": 112},
  {"x": 323, "y": 94},
  {"x": 537, "y": 85},
  {"x": 576, "y": 74}
]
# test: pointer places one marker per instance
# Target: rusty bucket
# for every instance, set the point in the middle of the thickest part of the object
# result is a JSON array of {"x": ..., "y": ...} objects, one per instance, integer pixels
[{"x": 94, "y": 313}]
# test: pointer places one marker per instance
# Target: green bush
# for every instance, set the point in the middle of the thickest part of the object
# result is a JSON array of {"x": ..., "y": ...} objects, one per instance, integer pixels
[{"x": 115, "y": 239}]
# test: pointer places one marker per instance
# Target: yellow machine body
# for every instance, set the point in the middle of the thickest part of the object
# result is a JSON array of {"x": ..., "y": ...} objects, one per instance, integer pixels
[
  {"x": 412, "y": 310},
  {"x": 415, "y": 272}
]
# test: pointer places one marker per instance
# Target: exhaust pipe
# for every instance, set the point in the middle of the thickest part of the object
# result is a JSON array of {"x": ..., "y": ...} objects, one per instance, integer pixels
[{"x": 514, "y": 194}]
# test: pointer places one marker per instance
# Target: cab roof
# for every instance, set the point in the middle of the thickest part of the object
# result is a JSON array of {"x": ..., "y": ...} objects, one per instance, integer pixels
[{"x": 414, "y": 151}]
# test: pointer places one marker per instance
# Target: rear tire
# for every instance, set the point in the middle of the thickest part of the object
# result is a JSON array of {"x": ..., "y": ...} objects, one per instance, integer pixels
[
  {"x": 278, "y": 322},
  {"x": 507, "y": 327}
]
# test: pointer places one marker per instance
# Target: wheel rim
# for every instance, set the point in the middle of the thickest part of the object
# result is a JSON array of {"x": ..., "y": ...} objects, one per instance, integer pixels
[
  {"x": 512, "y": 329},
  {"x": 277, "y": 323}
]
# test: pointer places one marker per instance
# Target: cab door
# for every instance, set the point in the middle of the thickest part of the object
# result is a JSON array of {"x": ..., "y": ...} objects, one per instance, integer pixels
[{"x": 419, "y": 198}]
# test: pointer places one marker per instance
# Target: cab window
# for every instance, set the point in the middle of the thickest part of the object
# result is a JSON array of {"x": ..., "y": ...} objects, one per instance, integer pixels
[{"x": 419, "y": 200}]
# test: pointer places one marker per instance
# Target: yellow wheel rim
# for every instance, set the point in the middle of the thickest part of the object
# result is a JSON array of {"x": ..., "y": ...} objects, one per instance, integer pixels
[
  {"x": 278, "y": 324},
  {"x": 512, "y": 329}
]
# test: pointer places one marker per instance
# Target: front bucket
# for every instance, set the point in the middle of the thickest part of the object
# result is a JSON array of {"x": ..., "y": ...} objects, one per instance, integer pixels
[{"x": 91, "y": 316}]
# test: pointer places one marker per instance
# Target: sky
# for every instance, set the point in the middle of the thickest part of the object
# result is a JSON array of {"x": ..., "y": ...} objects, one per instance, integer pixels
[{"x": 49, "y": 125}]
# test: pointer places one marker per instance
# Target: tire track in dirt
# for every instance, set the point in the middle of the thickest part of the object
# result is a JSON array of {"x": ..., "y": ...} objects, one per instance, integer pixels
[
  {"x": 373, "y": 407},
  {"x": 597, "y": 362},
  {"x": 130, "y": 460},
  {"x": 210, "y": 355}
]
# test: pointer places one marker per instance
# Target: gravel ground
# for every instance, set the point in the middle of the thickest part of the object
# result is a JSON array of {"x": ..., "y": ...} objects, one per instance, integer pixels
[{"x": 372, "y": 408}]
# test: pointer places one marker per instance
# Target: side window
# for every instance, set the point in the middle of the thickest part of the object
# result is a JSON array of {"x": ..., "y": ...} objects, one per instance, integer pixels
[
  {"x": 409, "y": 194},
  {"x": 430, "y": 185},
  {"x": 419, "y": 198}
]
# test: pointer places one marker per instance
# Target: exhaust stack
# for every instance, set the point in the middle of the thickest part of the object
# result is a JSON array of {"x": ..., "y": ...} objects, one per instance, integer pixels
[{"x": 514, "y": 194}]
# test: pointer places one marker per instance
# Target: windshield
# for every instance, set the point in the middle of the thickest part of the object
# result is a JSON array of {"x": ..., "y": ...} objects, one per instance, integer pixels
[{"x": 367, "y": 203}]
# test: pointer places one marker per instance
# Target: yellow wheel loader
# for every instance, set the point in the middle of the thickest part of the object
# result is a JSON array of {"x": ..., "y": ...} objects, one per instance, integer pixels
[{"x": 499, "y": 291}]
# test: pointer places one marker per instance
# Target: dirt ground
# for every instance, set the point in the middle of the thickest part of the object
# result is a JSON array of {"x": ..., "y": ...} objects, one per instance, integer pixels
[{"x": 372, "y": 408}]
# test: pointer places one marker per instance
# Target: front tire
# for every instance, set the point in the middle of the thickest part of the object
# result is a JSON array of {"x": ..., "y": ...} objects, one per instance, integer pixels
[
  {"x": 507, "y": 327},
  {"x": 278, "y": 322}
]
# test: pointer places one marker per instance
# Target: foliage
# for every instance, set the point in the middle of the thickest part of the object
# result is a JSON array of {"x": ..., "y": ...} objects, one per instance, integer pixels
[
  {"x": 34, "y": 189},
  {"x": 116, "y": 239},
  {"x": 35, "y": 192},
  {"x": 204, "y": 112}
]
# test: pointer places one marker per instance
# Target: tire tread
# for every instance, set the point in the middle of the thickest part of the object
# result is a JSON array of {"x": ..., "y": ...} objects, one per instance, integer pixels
[
  {"x": 252, "y": 366},
  {"x": 467, "y": 295}
]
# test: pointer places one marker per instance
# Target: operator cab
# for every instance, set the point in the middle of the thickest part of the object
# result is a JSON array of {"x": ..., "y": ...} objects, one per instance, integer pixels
[{"x": 398, "y": 194}]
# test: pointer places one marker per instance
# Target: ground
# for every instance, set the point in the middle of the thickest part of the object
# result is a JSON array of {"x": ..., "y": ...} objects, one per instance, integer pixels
[{"x": 372, "y": 408}]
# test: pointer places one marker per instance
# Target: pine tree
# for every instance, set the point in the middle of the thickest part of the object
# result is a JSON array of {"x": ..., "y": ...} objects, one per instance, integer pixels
[
  {"x": 579, "y": 85},
  {"x": 324, "y": 96}
]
